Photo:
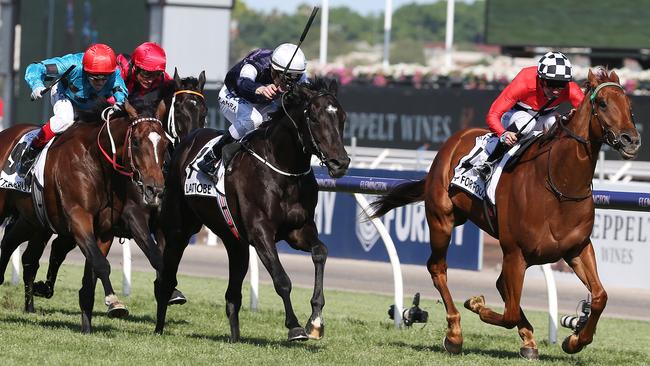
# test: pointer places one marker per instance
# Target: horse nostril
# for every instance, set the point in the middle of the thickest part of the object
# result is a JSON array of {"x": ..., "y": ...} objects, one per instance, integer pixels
[{"x": 626, "y": 139}]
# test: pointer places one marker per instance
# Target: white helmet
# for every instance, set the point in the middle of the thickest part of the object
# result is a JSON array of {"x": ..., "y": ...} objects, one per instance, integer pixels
[{"x": 281, "y": 56}]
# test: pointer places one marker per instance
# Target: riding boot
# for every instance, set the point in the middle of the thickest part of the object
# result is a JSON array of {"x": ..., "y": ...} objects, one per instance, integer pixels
[
  {"x": 487, "y": 168},
  {"x": 31, "y": 152},
  {"x": 229, "y": 151},
  {"x": 208, "y": 164}
]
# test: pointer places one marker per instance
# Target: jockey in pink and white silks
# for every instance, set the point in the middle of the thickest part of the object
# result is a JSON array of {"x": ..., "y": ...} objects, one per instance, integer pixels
[
  {"x": 252, "y": 91},
  {"x": 526, "y": 103}
]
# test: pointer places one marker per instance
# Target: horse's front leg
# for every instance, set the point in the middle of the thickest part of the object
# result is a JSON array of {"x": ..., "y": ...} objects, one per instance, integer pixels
[
  {"x": 584, "y": 265},
  {"x": 264, "y": 243},
  {"x": 510, "y": 286},
  {"x": 306, "y": 239},
  {"x": 115, "y": 307}
]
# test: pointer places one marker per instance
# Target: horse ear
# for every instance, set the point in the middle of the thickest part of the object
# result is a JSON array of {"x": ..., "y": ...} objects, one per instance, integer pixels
[
  {"x": 161, "y": 110},
  {"x": 614, "y": 77},
  {"x": 201, "y": 80},
  {"x": 130, "y": 110},
  {"x": 177, "y": 79},
  {"x": 333, "y": 86},
  {"x": 592, "y": 80}
]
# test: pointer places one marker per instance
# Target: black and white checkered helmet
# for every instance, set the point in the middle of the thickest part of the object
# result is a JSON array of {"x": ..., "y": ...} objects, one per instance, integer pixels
[{"x": 554, "y": 66}]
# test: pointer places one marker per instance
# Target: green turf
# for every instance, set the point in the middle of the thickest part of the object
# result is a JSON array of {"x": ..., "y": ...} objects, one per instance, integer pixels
[{"x": 358, "y": 332}]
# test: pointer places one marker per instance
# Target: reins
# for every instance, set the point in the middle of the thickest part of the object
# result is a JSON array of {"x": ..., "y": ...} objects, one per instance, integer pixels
[{"x": 606, "y": 132}]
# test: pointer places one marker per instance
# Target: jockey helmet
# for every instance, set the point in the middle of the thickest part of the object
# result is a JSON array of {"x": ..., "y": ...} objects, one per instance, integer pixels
[
  {"x": 282, "y": 55},
  {"x": 99, "y": 59},
  {"x": 554, "y": 66},
  {"x": 149, "y": 56}
]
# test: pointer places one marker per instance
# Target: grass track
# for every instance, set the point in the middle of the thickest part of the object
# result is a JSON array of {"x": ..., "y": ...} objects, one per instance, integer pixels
[{"x": 358, "y": 331}]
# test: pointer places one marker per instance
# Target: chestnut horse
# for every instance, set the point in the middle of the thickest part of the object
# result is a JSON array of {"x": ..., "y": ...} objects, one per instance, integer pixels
[
  {"x": 272, "y": 195},
  {"x": 544, "y": 209},
  {"x": 187, "y": 112},
  {"x": 85, "y": 191}
]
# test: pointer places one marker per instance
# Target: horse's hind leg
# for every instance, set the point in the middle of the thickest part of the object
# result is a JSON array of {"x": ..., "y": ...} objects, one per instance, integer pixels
[
  {"x": 61, "y": 246},
  {"x": 30, "y": 260},
  {"x": 441, "y": 222},
  {"x": 584, "y": 265},
  {"x": 238, "y": 255},
  {"x": 15, "y": 234}
]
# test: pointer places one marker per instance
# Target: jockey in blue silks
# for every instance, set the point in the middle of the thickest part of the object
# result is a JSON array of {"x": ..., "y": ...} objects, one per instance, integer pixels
[
  {"x": 252, "y": 91},
  {"x": 95, "y": 77}
]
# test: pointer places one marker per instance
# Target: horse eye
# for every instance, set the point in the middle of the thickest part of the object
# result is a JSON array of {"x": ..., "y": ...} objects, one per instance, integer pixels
[
  {"x": 135, "y": 144},
  {"x": 602, "y": 104}
]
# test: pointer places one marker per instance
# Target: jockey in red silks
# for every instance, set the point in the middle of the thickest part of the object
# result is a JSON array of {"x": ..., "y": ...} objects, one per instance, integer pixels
[
  {"x": 95, "y": 77},
  {"x": 144, "y": 73},
  {"x": 519, "y": 106}
]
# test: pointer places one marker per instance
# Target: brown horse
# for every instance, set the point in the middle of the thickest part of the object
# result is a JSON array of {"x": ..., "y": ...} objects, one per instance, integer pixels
[
  {"x": 545, "y": 211},
  {"x": 85, "y": 190}
]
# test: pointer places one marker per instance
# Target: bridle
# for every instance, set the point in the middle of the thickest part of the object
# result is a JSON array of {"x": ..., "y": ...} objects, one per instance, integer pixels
[
  {"x": 171, "y": 133},
  {"x": 315, "y": 144},
  {"x": 127, "y": 152},
  {"x": 609, "y": 137}
]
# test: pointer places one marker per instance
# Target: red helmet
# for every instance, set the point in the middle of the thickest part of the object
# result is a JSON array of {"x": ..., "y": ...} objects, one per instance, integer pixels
[
  {"x": 99, "y": 59},
  {"x": 149, "y": 57}
]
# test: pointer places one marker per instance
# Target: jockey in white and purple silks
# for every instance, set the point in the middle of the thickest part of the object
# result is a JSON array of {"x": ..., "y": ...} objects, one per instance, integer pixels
[{"x": 251, "y": 92}]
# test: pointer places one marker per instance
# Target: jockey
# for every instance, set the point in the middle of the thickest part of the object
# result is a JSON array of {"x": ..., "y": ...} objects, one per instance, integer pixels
[
  {"x": 144, "y": 73},
  {"x": 519, "y": 106},
  {"x": 95, "y": 78},
  {"x": 251, "y": 92}
]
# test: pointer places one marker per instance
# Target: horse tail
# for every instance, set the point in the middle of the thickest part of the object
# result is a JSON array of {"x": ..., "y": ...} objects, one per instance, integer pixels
[{"x": 399, "y": 196}]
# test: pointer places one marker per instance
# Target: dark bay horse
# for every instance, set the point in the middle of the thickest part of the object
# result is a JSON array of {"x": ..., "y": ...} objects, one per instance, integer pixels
[
  {"x": 272, "y": 195},
  {"x": 85, "y": 191},
  {"x": 187, "y": 111},
  {"x": 545, "y": 211}
]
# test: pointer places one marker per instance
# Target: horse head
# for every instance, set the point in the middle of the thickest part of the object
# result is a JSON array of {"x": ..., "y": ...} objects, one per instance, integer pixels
[
  {"x": 612, "y": 120},
  {"x": 321, "y": 132},
  {"x": 188, "y": 109},
  {"x": 145, "y": 148}
]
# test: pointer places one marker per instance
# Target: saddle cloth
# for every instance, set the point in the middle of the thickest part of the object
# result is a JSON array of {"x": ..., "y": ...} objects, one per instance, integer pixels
[
  {"x": 9, "y": 178},
  {"x": 198, "y": 183},
  {"x": 467, "y": 178}
]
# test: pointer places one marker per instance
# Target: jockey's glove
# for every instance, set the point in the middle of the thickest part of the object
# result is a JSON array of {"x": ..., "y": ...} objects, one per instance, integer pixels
[
  {"x": 36, "y": 92},
  {"x": 117, "y": 107}
]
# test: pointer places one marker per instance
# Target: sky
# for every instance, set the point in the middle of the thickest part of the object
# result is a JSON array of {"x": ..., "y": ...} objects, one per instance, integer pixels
[{"x": 362, "y": 6}]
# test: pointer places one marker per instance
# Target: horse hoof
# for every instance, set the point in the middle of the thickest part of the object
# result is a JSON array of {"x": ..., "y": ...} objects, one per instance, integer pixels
[
  {"x": 117, "y": 310},
  {"x": 297, "y": 334},
  {"x": 41, "y": 289},
  {"x": 529, "y": 353},
  {"x": 566, "y": 346},
  {"x": 177, "y": 298},
  {"x": 452, "y": 348},
  {"x": 315, "y": 331},
  {"x": 475, "y": 303}
]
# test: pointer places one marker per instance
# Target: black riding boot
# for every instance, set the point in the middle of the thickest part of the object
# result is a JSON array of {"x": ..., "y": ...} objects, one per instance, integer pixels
[
  {"x": 27, "y": 160},
  {"x": 209, "y": 163}
]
